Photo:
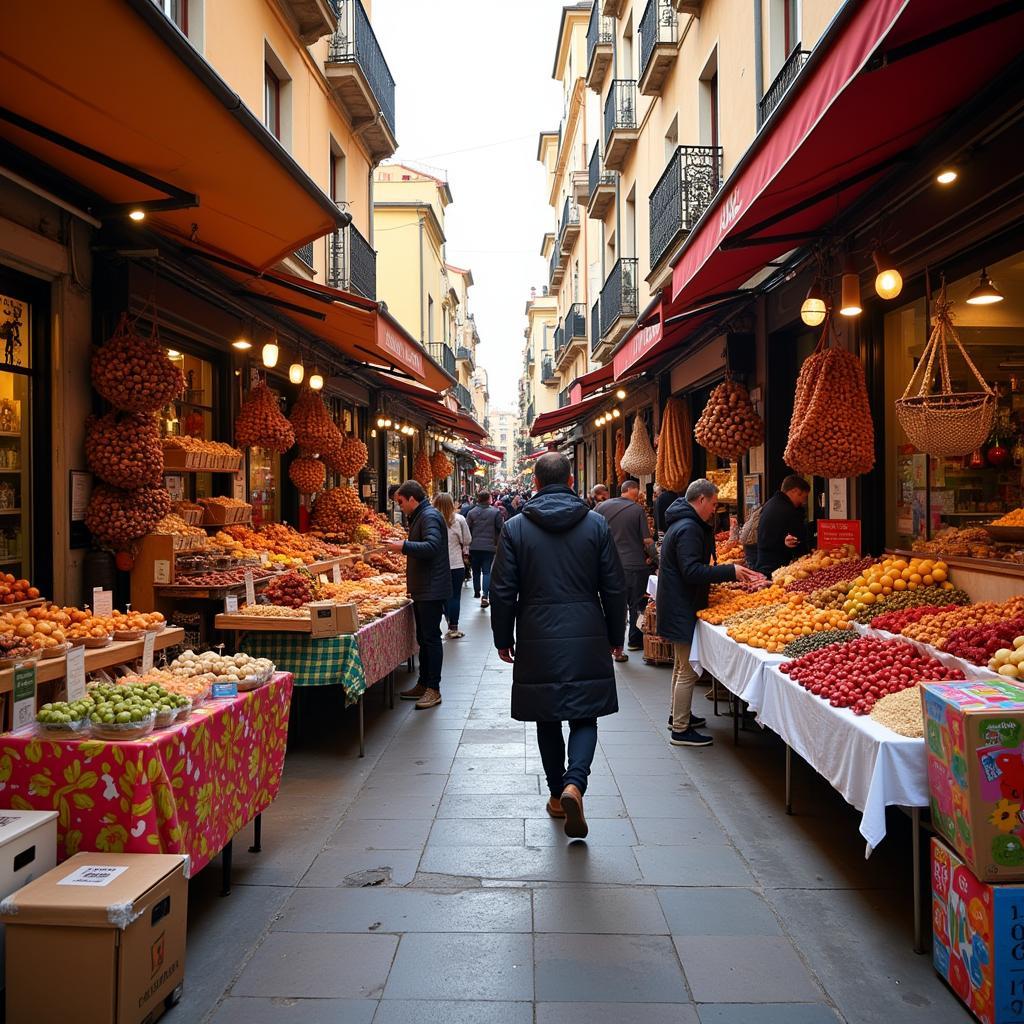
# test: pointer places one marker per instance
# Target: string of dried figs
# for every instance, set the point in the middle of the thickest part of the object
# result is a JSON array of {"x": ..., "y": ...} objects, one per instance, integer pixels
[
  {"x": 422, "y": 470},
  {"x": 261, "y": 424},
  {"x": 674, "y": 447},
  {"x": 336, "y": 508},
  {"x": 133, "y": 373},
  {"x": 124, "y": 449},
  {"x": 117, "y": 517},
  {"x": 440, "y": 465},
  {"x": 729, "y": 425},
  {"x": 314, "y": 429},
  {"x": 308, "y": 474},
  {"x": 348, "y": 458}
]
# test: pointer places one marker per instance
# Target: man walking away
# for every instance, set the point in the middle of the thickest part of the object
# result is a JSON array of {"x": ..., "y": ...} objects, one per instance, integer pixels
[
  {"x": 684, "y": 581},
  {"x": 559, "y": 601},
  {"x": 782, "y": 528},
  {"x": 429, "y": 580},
  {"x": 464, "y": 505},
  {"x": 632, "y": 535},
  {"x": 485, "y": 525}
]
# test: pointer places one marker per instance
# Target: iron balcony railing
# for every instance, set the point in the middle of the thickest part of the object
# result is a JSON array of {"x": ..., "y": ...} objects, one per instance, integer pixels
[
  {"x": 443, "y": 355},
  {"x": 570, "y": 215},
  {"x": 463, "y": 397},
  {"x": 684, "y": 191},
  {"x": 659, "y": 24},
  {"x": 464, "y": 353},
  {"x": 547, "y": 369},
  {"x": 530, "y": 415},
  {"x": 618, "y": 296},
  {"x": 783, "y": 80},
  {"x": 576, "y": 322},
  {"x": 619, "y": 107},
  {"x": 598, "y": 175},
  {"x": 354, "y": 41},
  {"x": 351, "y": 263},
  {"x": 600, "y": 31},
  {"x": 564, "y": 397},
  {"x": 595, "y": 325},
  {"x": 555, "y": 264},
  {"x": 559, "y": 342},
  {"x": 305, "y": 254}
]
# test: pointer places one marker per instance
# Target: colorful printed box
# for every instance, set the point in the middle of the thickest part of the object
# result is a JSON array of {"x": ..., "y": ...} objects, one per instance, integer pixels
[
  {"x": 978, "y": 939},
  {"x": 974, "y": 732}
]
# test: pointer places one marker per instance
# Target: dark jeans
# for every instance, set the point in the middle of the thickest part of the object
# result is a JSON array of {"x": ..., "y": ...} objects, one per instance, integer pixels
[
  {"x": 455, "y": 601},
  {"x": 582, "y": 744},
  {"x": 428, "y": 636},
  {"x": 636, "y": 601},
  {"x": 481, "y": 562}
]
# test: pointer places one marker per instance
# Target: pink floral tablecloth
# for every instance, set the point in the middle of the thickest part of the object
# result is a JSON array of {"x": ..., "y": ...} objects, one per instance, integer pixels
[
  {"x": 187, "y": 789},
  {"x": 387, "y": 642}
]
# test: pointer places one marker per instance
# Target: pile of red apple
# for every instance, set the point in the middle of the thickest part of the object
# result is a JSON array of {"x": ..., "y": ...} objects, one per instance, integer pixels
[
  {"x": 857, "y": 674},
  {"x": 978, "y": 644}
]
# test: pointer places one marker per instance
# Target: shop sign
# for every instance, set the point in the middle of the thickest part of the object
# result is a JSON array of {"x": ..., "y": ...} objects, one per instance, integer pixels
[
  {"x": 14, "y": 330},
  {"x": 637, "y": 347},
  {"x": 231, "y": 604},
  {"x": 25, "y": 696},
  {"x": 833, "y": 533},
  {"x": 751, "y": 491},
  {"x": 390, "y": 341},
  {"x": 837, "y": 499}
]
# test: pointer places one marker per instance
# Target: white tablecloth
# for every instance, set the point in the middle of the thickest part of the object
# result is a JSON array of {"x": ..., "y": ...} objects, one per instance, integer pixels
[
  {"x": 868, "y": 764},
  {"x": 739, "y": 668}
]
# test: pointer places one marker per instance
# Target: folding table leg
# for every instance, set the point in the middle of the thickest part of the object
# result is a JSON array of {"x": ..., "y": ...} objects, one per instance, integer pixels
[
  {"x": 257, "y": 834},
  {"x": 789, "y": 780},
  {"x": 915, "y": 824},
  {"x": 362, "y": 750},
  {"x": 737, "y": 713},
  {"x": 225, "y": 870},
  {"x": 391, "y": 690},
  {"x": 714, "y": 694}
]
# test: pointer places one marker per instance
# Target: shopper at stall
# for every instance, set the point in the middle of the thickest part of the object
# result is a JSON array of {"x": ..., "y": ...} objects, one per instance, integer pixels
[
  {"x": 485, "y": 525},
  {"x": 684, "y": 580},
  {"x": 458, "y": 551},
  {"x": 627, "y": 521},
  {"x": 782, "y": 528},
  {"x": 663, "y": 501},
  {"x": 429, "y": 579},
  {"x": 559, "y": 601}
]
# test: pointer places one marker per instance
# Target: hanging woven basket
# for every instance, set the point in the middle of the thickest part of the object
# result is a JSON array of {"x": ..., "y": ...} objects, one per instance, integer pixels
[{"x": 945, "y": 422}]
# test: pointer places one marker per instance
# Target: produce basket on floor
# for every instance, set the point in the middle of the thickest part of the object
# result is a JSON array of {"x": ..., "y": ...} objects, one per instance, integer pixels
[{"x": 657, "y": 651}]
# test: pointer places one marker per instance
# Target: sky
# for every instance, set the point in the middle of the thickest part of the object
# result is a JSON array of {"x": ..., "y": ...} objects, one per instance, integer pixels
[{"x": 473, "y": 89}]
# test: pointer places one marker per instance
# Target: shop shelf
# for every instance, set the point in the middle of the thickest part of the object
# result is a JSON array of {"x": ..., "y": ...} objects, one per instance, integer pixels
[{"x": 10, "y": 511}]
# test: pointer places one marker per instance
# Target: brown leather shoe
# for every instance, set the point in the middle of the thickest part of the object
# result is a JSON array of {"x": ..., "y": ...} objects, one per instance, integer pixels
[
  {"x": 415, "y": 693},
  {"x": 572, "y": 803},
  {"x": 554, "y": 808},
  {"x": 430, "y": 699}
]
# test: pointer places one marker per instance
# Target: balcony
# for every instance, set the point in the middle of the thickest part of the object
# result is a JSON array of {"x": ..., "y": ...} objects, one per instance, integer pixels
[
  {"x": 684, "y": 191},
  {"x": 556, "y": 267},
  {"x": 559, "y": 343},
  {"x": 621, "y": 128},
  {"x": 359, "y": 76},
  {"x": 569, "y": 228},
  {"x": 787, "y": 75},
  {"x": 689, "y": 6},
  {"x": 564, "y": 397},
  {"x": 311, "y": 19},
  {"x": 600, "y": 47},
  {"x": 530, "y": 415},
  {"x": 351, "y": 263},
  {"x": 305, "y": 255},
  {"x": 547, "y": 372},
  {"x": 465, "y": 355},
  {"x": 618, "y": 302},
  {"x": 581, "y": 186},
  {"x": 464, "y": 397},
  {"x": 571, "y": 332},
  {"x": 659, "y": 35},
  {"x": 602, "y": 187},
  {"x": 611, "y": 8},
  {"x": 595, "y": 327},
  {"x": 443, "y": 356}
]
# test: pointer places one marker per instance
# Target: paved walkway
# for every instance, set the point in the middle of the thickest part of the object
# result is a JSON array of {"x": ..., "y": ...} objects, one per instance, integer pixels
[{"x": 425, "y": 884}]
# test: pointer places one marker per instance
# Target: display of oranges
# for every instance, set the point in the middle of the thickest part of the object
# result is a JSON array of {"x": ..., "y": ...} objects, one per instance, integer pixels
[{"x": 891, "y": 575}]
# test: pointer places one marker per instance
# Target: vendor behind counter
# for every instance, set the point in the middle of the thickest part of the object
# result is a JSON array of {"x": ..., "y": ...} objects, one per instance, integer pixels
[{"x": 782, "y": 526}]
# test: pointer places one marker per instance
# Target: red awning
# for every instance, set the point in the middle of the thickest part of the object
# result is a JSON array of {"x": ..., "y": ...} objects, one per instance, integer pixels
[
  {"x": 482, "y": 454},
  {"x": 566, "y": 416}
]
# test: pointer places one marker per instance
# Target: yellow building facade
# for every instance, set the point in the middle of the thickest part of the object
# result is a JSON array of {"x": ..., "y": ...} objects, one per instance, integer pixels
[{"x": 539, "y": 385}]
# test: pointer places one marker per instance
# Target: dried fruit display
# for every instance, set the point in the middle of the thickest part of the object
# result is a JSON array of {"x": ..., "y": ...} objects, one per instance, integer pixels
[
  {"x": 421, "y": 470},
  {"x": 724, "y": 602},
  {"x": 639, "y": 458},
  {"x": 440, "y": 465},
  {"x": 291, "y": 589},
  {"x": 261, "y": 424},
  {"x": 133, "y": 373},
  {"x": 117, "y": 517},
  {"x": 314, "y": 429},
  {"x": 901, "y": 712},
  {"x": 1008, "y": 659},
  {"x": 831, "y": 433},
  {"x": 827, "y": 576},
  {"x": 892, "y": 575},
  {"x": 336, "y": 508},
  {"x": 729, "y": 426},
  {"x": 894, "y": 621},
  {"x": 982, "y": 645},
  {"x": 936, "y": 629},
  {"x": 674, "y": 447},
  {"x": 347, "y": 458},
  {"x": 936, "y": 597},
  {"x": 308, "y": 474},
  {"x": 813, "y": 562},
  {"x": 815, "y": 641},
  {"x": 124, "y": 449},
  {"x": 794, "y": 619},
  {"x": 620, "y": 450}
]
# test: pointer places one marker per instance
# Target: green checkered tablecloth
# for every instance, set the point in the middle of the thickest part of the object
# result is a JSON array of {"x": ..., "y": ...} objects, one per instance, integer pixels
[{"x": 312, "y": 662}]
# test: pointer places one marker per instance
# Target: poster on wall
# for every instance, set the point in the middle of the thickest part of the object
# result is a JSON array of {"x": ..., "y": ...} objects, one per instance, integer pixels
[{"x": 751, "y": 492}]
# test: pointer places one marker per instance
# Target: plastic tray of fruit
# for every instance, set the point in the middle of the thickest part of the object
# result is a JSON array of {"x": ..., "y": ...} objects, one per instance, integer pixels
[
  {"x": 57, "y": 651},
  {"x": 71, "y": 728},
  {"x": 124, "y": 730}
]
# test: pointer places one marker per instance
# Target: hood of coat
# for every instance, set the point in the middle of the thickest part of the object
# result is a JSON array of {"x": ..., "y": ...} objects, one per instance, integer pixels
[
  {"x": 555, "y": 509},
  {"x": 682, "y": 509}
]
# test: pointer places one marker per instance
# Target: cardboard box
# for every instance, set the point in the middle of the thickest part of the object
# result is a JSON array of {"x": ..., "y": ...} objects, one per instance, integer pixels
[
  {"x": 28, "y": 849},
  {"x": 111, "y": 928},
  {"x": 974, "y": 734},
  {"x": 323, "y": 621},
  {"x": 977, "y": 930},
  {"x": 346, "y": 618}
]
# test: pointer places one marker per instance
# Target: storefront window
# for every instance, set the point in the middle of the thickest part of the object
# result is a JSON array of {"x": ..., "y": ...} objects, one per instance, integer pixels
[
  {"x": 191, "y": 415},
  {"x": 264, "y": 472},
  {"x": 15, "y": 438}
]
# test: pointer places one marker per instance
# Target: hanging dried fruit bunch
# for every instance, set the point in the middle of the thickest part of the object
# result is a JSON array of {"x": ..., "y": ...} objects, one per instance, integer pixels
[
  {"x": 440, "y": 465},
  {"x": 315, "y": 431},
  {"x": 117, "y": 517},
  {"x": 639, "y": 459},
  {"x": 133, "y": 373},
  {"x": 348, "y": 457},
  {"x": 123, "y": 449},
  {"x": 308, "y": 474},
  {"x": 675, "y": 447},
  {"x": 729, "y": 426},
  {"x": 337, "y": 509},
  {"x": 421, "y": 469},
  {"x": 620, "y": 450},
  {"x": 831, "y": 433},
  {"x": 261, "y": 424}
]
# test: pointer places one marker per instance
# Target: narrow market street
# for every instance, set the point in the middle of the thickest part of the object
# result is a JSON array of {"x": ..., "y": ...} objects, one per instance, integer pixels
[{"x": 425, "y": 883}]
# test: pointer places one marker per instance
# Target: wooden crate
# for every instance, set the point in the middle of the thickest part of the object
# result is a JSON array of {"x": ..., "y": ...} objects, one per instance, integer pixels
[
  {"x": 650, "y": 619},
  {"x": 227, "y": 515},
  {"x": 658, "y": 651}
]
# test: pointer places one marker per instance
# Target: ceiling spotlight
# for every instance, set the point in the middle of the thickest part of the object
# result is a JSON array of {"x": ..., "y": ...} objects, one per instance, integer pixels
[
  {"x": 316, "y": 382},
  {"x": 173, "y": 354},
  {"x": 888, "y": 280},
  {"x": 243, "y": 344},
  {"x": 947, "y": 175},
  {"x": 985, "y": 293},
  {"x": 620, "y": 394},
  {"x": 137, "y": 215},
  {"x": 296, "y": 372},
  {"x": 270, "y": 354},
  {"x": 616, "y": 414},
  {"x": 850, "y": 289},
  {"x": 814, "y": 308}
]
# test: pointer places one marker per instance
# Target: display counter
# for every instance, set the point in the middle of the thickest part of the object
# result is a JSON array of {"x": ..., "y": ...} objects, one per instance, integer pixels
[{"x": 984, "y": 579}]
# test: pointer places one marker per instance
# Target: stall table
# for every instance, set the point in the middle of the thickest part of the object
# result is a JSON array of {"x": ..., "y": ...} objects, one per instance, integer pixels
[{"x": 185, "y": 789}]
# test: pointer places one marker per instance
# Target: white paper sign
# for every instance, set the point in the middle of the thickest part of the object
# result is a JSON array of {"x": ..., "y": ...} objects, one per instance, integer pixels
[
  {"x": 264, "y": 558},
  {"x": 93, "y": 874},
  {"x": 161, "y": 571},
  {"x": 148, "y": 644},
  {"x": 75, "y": 671},
  {"x": 837, "y": 499},
  {"x": 336, "y": 574},
  {"x": 250, "y": 588},
  {"x": 102, "y": 602},
  {"x": 231, "y": 604}
]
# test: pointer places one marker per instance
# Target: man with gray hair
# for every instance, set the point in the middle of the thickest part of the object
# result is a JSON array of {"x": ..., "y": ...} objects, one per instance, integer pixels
[
  {"x": 598, "y": 493},
  {"x": 684, "y": 581}
]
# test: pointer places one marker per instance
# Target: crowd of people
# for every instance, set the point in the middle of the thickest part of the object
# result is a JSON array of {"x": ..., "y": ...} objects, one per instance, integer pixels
[{"x": 566, "y": 580}]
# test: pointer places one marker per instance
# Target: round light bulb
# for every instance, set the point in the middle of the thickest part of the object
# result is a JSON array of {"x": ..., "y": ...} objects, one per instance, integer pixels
[
  {"x": 888, "y": 284},
  {"x": 137, "y": 215},
  {"x": 597, "y": 422},
  {"x": 380, "y": 421},
  {"x": 387, "y": 423},
  {"x": 316, "y": 382},
  {"x": 296, "y": 372},
  {"x": 270, "y": 354},
  {"x": 620, "y": 394},
  {"x": 813, "y": 311},
  {"x": 616, "y": 414},
  {"x": 947, "y": 176}
]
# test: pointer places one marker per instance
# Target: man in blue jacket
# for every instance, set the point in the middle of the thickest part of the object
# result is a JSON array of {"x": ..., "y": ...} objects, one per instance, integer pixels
[
  {"x": 429, "y": 579},
  {"x": 684, "y": 581}
]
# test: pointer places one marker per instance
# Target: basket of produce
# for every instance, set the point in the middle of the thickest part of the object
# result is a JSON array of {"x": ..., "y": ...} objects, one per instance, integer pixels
[
  {"x": 224, "y": 511},
  {"x": 944, "y": 421},
  {"x": 657, "y": 651},
  {"x": 63, "y": 717},
  {"x": 189, "y": 513},
  {"x": 16, "y": 650},
  {"x": 57, "y": 651},
  {"x": 1005, "y": 534}
]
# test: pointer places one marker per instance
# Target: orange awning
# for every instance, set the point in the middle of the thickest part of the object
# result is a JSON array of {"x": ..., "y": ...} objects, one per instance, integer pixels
[
  {"x": 113, "y": 99},
  {"x": 430, "y": 404}
]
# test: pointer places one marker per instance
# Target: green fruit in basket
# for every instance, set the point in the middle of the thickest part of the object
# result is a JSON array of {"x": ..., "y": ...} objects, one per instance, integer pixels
[{"x": 123, "y": 716}]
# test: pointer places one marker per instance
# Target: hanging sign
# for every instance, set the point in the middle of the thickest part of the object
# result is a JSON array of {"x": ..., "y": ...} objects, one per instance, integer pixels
[
  {"x": 833, "y": 533},
  {"x": 250, "y": 588},
  {"x": 336, "y": 573}
]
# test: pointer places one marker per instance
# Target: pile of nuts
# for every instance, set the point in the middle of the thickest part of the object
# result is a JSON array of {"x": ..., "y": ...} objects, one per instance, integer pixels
[
  {"x": 901, "y": 712},
  {"x": 124, "y": 450},
  {"x": 729, "y": 426},
  {"x": 261, "y": 424},
  {"x": 337, "y": 508},
  {"x": 794, "y": 619},
  {"x": 815, "y": 641},
  {"x": 725, "y": 602},
  {"x": 291, "y": 589}
]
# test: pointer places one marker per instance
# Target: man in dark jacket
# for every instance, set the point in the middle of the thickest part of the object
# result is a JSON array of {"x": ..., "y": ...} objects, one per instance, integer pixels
[
  {"x": 663, "y": 501},
  {"x": 557, "y": 607},
  {"x": 684, "y": 580},
  {"x": 627, "y": 521},
  {"x": 429, "y": 580},
  {"x": 485, "y": 525},
  {"x": 782, "y": 528}
]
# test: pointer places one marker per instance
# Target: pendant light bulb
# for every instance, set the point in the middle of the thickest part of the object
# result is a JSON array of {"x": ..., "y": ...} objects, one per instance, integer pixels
[
  {"x": 888, "y": 280},
  {"x": 296, "y": 372},
  {"x": 597, "y": 422},
  {"x": 620, "y": 394},
  {"x": 985, "y": 293},
  {"x": 814, "y": 308},
  {"x": 616, "y": 414},
  {"x": 316, "y": 382},
  {"x": 947, "y": 175},
  {"x": 271, "y": 351},
  {"x": 850, "y": 289}
]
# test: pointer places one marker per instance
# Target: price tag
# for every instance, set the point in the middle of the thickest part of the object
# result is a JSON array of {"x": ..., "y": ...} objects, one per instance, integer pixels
[
  {"x": 321, "y": 577},
  {"x": 238, "y": 487},
  {"x": 24, "y": 697},
  {"x": 161, "y": 571},
  {"x": 231, "y": 604},
  {"x": 250, "y": 588},
  {"x": 336, "y": 574},
  {"x": 148, "y": 643},
  {"x": 75, "y": 670},
  {"x": 102, "y": 602},
  {"x": 264, "y": 558},
  {"x": 219, "y": 690}
]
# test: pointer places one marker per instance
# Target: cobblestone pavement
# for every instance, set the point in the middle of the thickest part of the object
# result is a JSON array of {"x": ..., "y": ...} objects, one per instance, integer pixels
[{"x": 426, "y": 884}]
